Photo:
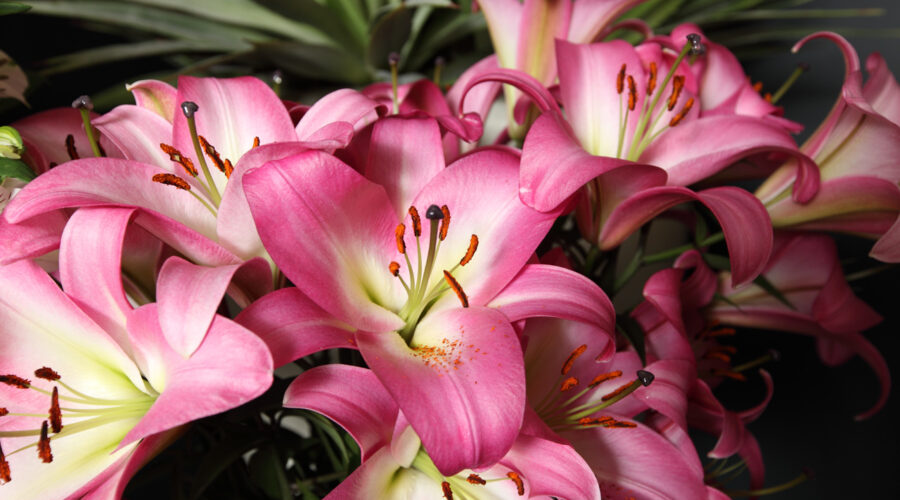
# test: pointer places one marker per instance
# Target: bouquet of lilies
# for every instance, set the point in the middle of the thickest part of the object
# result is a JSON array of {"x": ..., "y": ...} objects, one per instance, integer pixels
[{"x": 407, "y": 290}]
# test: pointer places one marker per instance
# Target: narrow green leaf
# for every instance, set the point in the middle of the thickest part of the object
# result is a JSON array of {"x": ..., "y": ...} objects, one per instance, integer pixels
[
  {"x": 389, "y": 33},
  {"x": 442, "y": 29},
  {"x": 112, "y": 53},
  {"x": 7, "y": 8},
  {"x": 763, "y": 282},
  {"x": 317, "y": 62},
  {"x": 326, "y": 426},
  {"x": 17, "y": 169},
  {"x": 267, "y": 472}
]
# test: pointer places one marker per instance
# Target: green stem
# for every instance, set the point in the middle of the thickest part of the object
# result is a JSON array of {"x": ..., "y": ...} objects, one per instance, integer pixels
[{"x": 675, "y": 252}]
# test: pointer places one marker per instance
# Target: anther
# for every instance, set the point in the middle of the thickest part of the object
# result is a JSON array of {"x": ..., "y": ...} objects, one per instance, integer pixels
[
  {"x": 448, "y": 493},
  {"x": 394, "y": 267},
  {"x": 454, "y": 285},
  {"x": 616, "y": 392},
  {"x": 47, "y": 373},
  {"x": 681, "y": 114},
  {"x": 5, "y": 476},
  {"x": 698, "y": 48},
  {"x": 620, "y": 80},
  {"x": 44, "y": 452},
  {"x": 189, "y": 108},
  {"x": 645, "y": 377},
  {"x": 4, "y": 412},
  {"x": 445, "y": 221},
  {"x": 55, "y": 413},
  {"x": 83, "y": 102},
  {"x": 398, "y": 235},
  {"x": 632, "y": 93},
  {"x": 476, "y": 479},
  {"x": 603, "y": 377},
  {"x": 434, "y": 212},
  {"x": 70, "y": 147},
  {"x": 568, "y": 384},
  {"x": 473, "y": 245},
  {"x": 176, "y": 156},
  {"x": 651, "y": 83},
  {"x": 212, "y": 153},
  {"x": 172, "y": 180},
  {"x": 15, "y": 381},
  {"x": 393, "y": 59},
  {"x": 677, "y": 85},
  {"x": 255, "y": 142},
  {"x": 229, "y": 168},
  {"x": 416, "y": 221},
  {"x": 570, "y": 361},
  {"x": 520, "y": 485}
]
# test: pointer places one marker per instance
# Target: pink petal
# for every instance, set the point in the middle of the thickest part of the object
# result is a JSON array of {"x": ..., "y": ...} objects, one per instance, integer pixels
[
  {"x": 293, "y": 326},
  {"x": 504, "y": 22},
  {"x": 204, "y": 384},
  {"x": 31, "y": 238},
  {"x": 351, "y": 396},
  {"x": 532, "y": 88},
  {"x": 464, "y": 365},
  {"x": 333, "y": 239},
  {"x": 138, "y": 132},
  {"x": 540, "y": 24},
  {"x": 591, "y": 18},
  {"x": 887, "y": 248},
  {"x": 477, "y": 100},
  {"x": 344, "y": 105},
  {"x": 881, "y": 90},
  {"x": 156, "y": 96},
  {"x": 552, "y": 469}
]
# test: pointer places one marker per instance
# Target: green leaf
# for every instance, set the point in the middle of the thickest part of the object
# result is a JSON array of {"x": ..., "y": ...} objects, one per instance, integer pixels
[
  {"x": 717, "y": 262},
  {"x": 220, "y": 456},
  {"x": 763, "y": 282},
  {"x": 113, "y": 53},
  {"x": 267, "y": 472},
  {"x": 317, "y": 62},
  {"x": 17, "y": 169},
  {"x": 443, "y": 28},
  {"x": 326, "y": 426},
  {"x": 319, "y": 15},
  {"x": 389, "y": 32},
  {"x": 7, "y": 8}
]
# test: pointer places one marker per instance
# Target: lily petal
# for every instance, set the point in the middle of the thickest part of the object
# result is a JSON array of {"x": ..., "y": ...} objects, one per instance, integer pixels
[{"x": 156, "y": 96}]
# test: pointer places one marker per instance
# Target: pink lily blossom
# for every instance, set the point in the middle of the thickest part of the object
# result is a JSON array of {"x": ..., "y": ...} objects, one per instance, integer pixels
[
  {"x": 427, "y": 299},
  {"x": 854, "y": 147},
  {"x": 395, "y": 466},
  {"x": 806, "y": 270},
  {"x": 116, "y": 388}
]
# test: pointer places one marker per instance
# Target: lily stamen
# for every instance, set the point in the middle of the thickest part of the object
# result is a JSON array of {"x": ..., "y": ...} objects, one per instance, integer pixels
[
  {"x": 190, "y": 108},
  {"x": 84, "y": 105}
]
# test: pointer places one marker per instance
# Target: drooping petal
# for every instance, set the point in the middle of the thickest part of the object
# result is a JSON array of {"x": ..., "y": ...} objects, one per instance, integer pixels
[
  {"x": 477, "y": 100},
  {"x": 351, "y": 396},
  {"x": 156, "y": 96},
  {"x": 294, "y": 326},
  {"x": 31, "y": 238},
  {"x": 887, "y": 248},
  {"x": 881, "y": 90},
  {"x": 343, "y": 105},
  {"x": 334, "y": 239},
  {"x": 465, "y": 366}
]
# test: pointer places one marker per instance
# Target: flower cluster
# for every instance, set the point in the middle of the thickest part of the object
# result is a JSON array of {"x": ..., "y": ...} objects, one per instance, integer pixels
[{"x": 170, "y": 255}]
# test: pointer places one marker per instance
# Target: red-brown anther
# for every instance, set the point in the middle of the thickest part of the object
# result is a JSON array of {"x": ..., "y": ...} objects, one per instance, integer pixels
[
  {"x": 721, "y": 356},
  {"x": 179, "y": 158},
  {"x": 15, "y": 381},
  {"x": 603, "y": 377},
  {"x": 476, "y": 479},
  {"x": 681, "y": 114},
  {"x": 568, "y": 384},
  {"x": 448, "y": 493},
  {"x": 677, "y": 85},
  {"x": 767, "y": 97},
  {"x": 255, "y": 142},
  {"x": 616, "y": 392},
  {"x": 55, "y": 413},
  {"x": 621, "y": 424},
  {"x": 721, "y": 332},
  {"x": 520, "y": 485},
  {"x": 595, "y": 420},
  {"x": 172, "y": 180},
  {"x": 470, "y": 252},
  {"x": 4, "y": 412},
  {"x": 651, "y": 83},
  {"x": 757, "y": 86},
  {"x": 394, "y": 267},
  {"x": 212, "y": 153},
  {"x": 620, "y": 80},
  {"x": 416, "y": 221},
  {"x": 445, "y": 222},
  {"x": 44, "y": 452},
  {"x": 229, "y": 168},
  {"x": 454, "y": 285},
  {"x": 47, "y": 373},
  {"x": 5, "y": 476},
  {"x": 632, "y": 93},
  {"x": 570, "y": 361},
  {"x": 70, "y": 147},
  {"x": 740, "y": 377},
  {"x": 398, "y": 235}
]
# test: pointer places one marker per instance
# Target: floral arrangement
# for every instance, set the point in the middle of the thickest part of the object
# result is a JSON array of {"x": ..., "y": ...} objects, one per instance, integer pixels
[{"x": 415, "y": 289}]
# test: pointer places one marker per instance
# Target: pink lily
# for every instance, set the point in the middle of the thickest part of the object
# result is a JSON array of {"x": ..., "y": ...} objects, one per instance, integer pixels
[
  {"x": 806, "y": 270},
  {"x": 394, "y": 465},
  {"x": 854, "y": 148},
  {"x": 117, "y": 390},
  {"x": 443, "y": 317}
]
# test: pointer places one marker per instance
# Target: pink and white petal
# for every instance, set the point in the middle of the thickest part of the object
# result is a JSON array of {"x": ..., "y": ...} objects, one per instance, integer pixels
[
  {"x": 189, "y": 295},
  {"x": 837, "y": 309},
  {"x": 205, "y": 383},
  {"x": 351, "y": 396},
  {"x": 887, "y": 248},
  {"x": 837, "y": 198},
  {"x": 90, "y": 262},
  {"x": 748, "y": 232},
  {"x": 343, "y": 105},
  {"x": 881, "y": 90},
  {"x": 541, "y": 23},
  {"x": 481, "y": 192},
  {"x": 196, "y": 246},
  {"x": 541, "y": 290},
  {"x": 460, "y": 383},
  {"x": 294, "y": 326},
  {"x": 552, "y": 469},
  {"x": 138, "y": 133},
  {"x": 867, "y": 152},
  {"x": 555, "y": 165},
  {"x": 591, "y": 18},
  {"x": 667, "y": 394},
  {"x": 331, "y": 231},
  {"x": 47, "y": 131},
  {"x": 404, "y": 155},
  {"x": 234, "y": 222},
  {"x": 504, "y": 22},
  {"x": 663, "y": 289},
  {"x": 156, "y": 96},
  {"x": 533, "y": 89},
  {"x": 32, "y": 237},
  {"x": 477, "y": 100}
]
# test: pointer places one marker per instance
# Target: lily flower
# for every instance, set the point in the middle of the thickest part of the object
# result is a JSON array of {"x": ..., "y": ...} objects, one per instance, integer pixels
[
  {"x": 817, "y": 301},
  {"x": 854, "y": 147},
  {"x": 93, "y": 390},
  {"x": 395, "y": 466},
  {"x": 423, "y": 273}
]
